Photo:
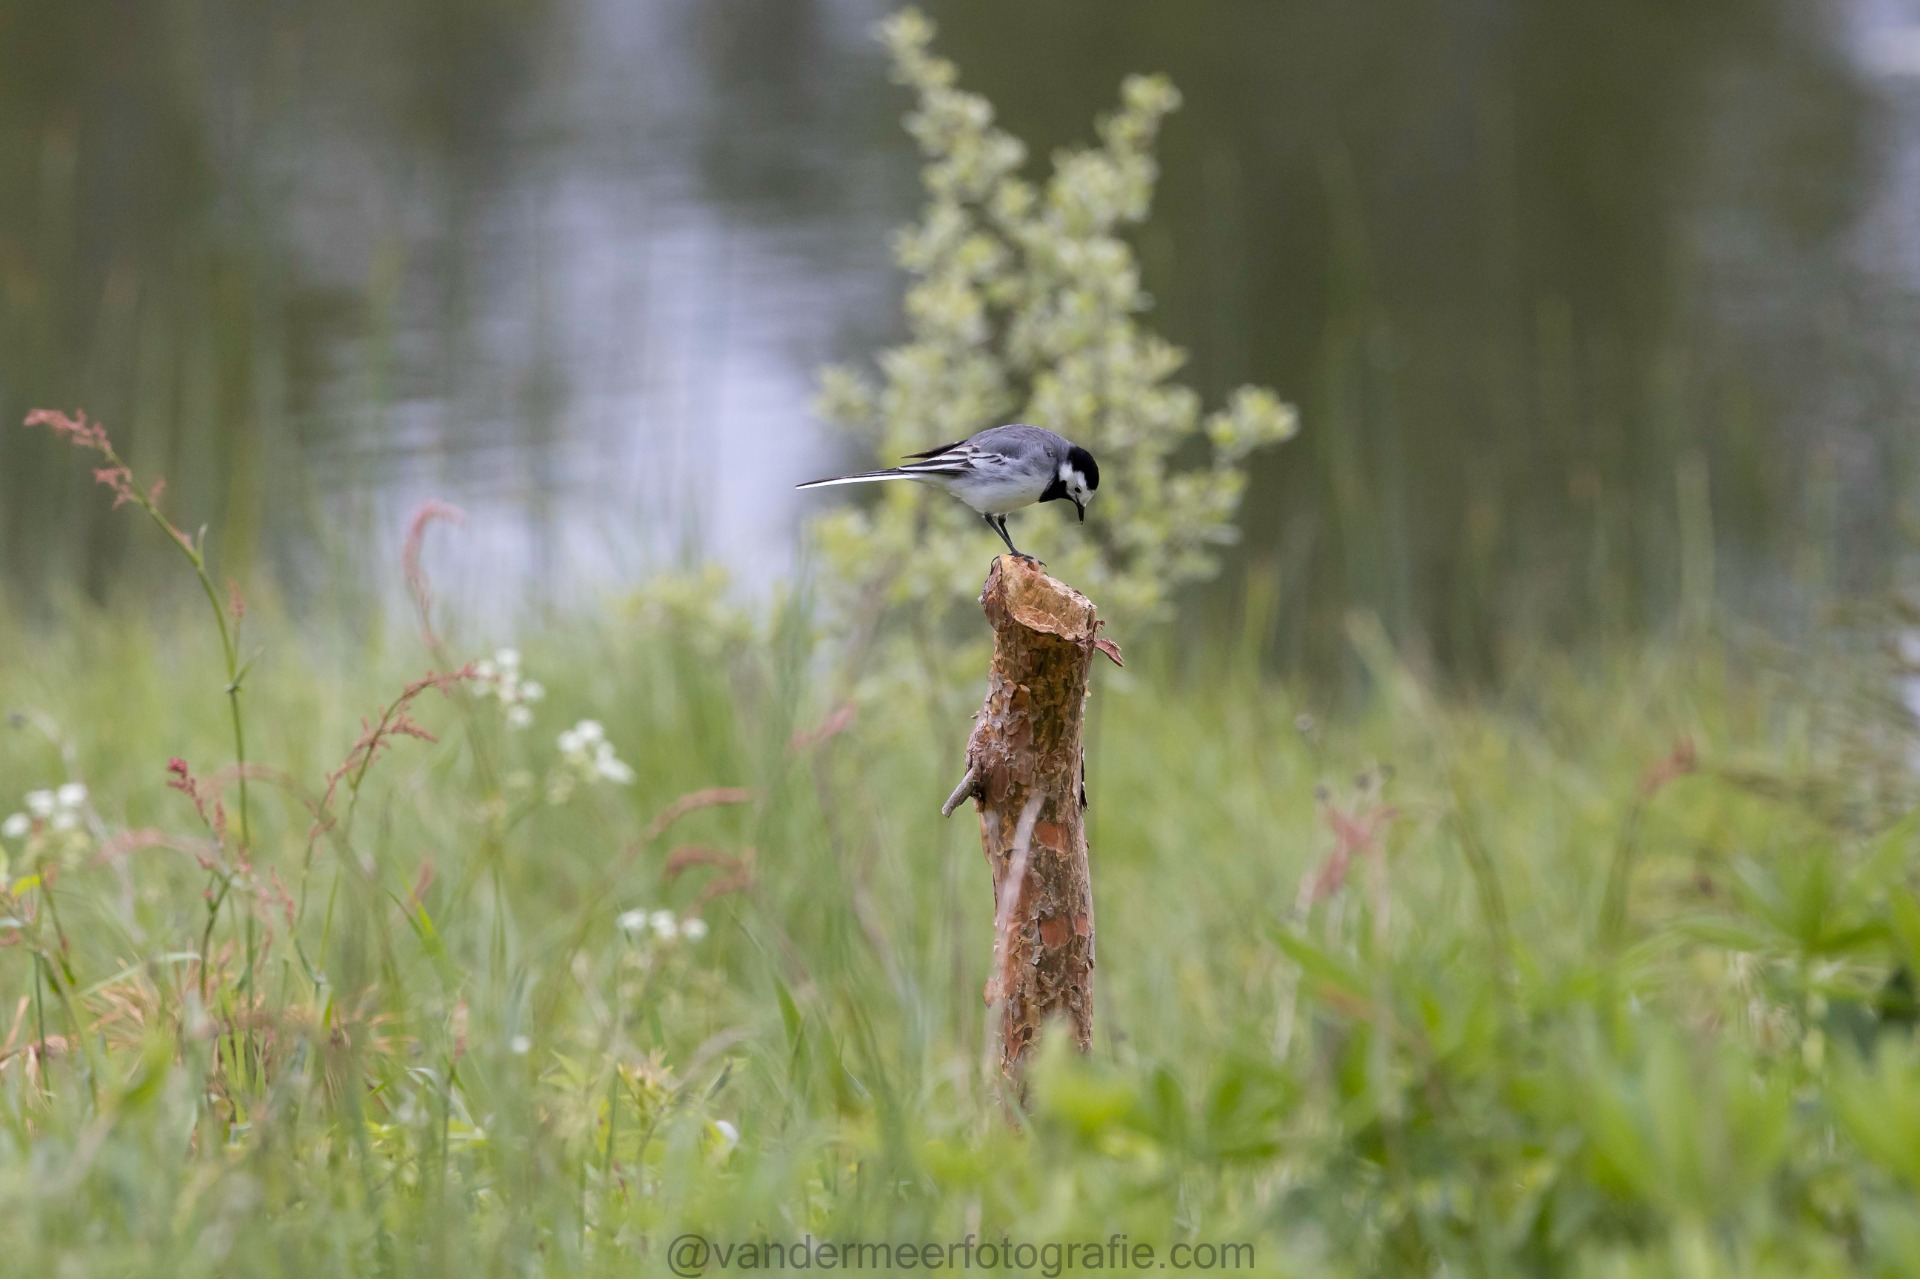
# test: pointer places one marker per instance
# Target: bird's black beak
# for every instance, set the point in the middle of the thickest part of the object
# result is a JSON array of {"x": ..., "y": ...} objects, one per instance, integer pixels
[{"x": 1081, "y": 507}]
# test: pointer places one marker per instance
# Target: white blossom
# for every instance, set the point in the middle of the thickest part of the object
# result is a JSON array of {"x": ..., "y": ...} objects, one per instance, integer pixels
[
  {"x": 589, "y": 754},
  {"x": 60, "y": 811},
  {"x": 500, "y": 678},
  {"x": 519, "y": 1045},
  {"x": 614, "y": 770},
  {"x": 664, "y": 927}
]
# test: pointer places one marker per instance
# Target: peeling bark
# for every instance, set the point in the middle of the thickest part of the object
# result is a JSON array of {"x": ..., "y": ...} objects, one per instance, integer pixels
[{"x": 1025, "y": 772}]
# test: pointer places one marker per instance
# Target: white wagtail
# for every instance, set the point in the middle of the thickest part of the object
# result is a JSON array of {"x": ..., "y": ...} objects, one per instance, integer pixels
[{"x": 1001, "y": 469}]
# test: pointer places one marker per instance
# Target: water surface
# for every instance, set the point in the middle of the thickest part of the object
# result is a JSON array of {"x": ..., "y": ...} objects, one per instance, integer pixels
[{"x": 1552, "y": 284}]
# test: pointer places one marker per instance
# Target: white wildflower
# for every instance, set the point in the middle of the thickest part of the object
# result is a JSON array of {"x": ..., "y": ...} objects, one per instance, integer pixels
[
  {"x": 589, "y": 754},
  {"x": 633, "y": 922},
  {"x": 60, "y": 811},
  {"x": 728, "y": 1134},
  {"x": 499, "y": 677},
  {"x": 611, "y": 768},
  {"x": 519, "y": 1045},
  {"x": 693, "y": 929},
  {"x": 665, "y": 924}
]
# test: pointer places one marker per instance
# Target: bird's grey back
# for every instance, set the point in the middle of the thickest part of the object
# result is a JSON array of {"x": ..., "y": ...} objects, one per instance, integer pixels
[{"x": 1020, "y": 441}]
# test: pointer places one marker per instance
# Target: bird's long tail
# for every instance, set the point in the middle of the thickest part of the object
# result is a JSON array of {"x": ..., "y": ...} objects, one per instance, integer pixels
[
  {"x": 865, "y": 477},
  {"x": 922, "y": 471}
]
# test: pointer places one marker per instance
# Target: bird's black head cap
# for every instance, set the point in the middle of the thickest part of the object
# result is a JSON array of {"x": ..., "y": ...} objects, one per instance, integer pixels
[{"x": 1082, "y": 461}]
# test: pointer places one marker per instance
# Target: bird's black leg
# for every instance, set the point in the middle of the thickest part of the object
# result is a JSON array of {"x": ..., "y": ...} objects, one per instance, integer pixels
[{"x": 998, "y": 523}]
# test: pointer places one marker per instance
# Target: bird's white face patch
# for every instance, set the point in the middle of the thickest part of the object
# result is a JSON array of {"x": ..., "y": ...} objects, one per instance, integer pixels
[{"x": 1076, "y": 484}]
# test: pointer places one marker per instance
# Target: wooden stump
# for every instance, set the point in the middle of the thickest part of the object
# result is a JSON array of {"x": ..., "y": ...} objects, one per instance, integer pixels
[{"x": 1026, "y": 773}]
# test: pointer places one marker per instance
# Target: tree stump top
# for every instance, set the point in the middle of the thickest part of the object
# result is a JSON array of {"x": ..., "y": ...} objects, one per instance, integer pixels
[{"x": 1024, "y": 593}]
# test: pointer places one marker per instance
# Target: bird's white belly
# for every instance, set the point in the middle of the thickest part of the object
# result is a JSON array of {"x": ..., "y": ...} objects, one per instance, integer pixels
[{"x": 996, "y": 495}]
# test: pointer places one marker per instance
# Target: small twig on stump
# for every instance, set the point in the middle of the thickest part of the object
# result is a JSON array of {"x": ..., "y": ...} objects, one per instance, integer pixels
[
  {"x": 1024, "y": 764},
  {"x": 961, "y": 794}
]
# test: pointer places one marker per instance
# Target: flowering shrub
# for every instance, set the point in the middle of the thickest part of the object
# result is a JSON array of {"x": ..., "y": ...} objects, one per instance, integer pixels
[{"x": 1023, "y": 306}]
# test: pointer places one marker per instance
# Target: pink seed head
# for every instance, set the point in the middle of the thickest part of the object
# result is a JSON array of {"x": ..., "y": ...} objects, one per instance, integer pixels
[{"x": 75, "y": 429}]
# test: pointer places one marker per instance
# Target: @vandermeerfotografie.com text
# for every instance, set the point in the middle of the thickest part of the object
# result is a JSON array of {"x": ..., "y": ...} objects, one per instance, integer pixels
[{"x": 695, "y": 1254}]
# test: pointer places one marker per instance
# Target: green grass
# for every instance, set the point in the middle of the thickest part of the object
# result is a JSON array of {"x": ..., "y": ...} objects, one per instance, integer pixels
[{"x": 1458, "y": 1060}]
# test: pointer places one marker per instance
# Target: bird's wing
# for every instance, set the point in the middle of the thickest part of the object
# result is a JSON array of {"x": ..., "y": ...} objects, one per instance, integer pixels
[
  {"x": 998, "y": 444},
  {"x": 956, "y": 461},
  {"x": 962, "y": 457},
  {"x": 1027, "y": 443}
]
